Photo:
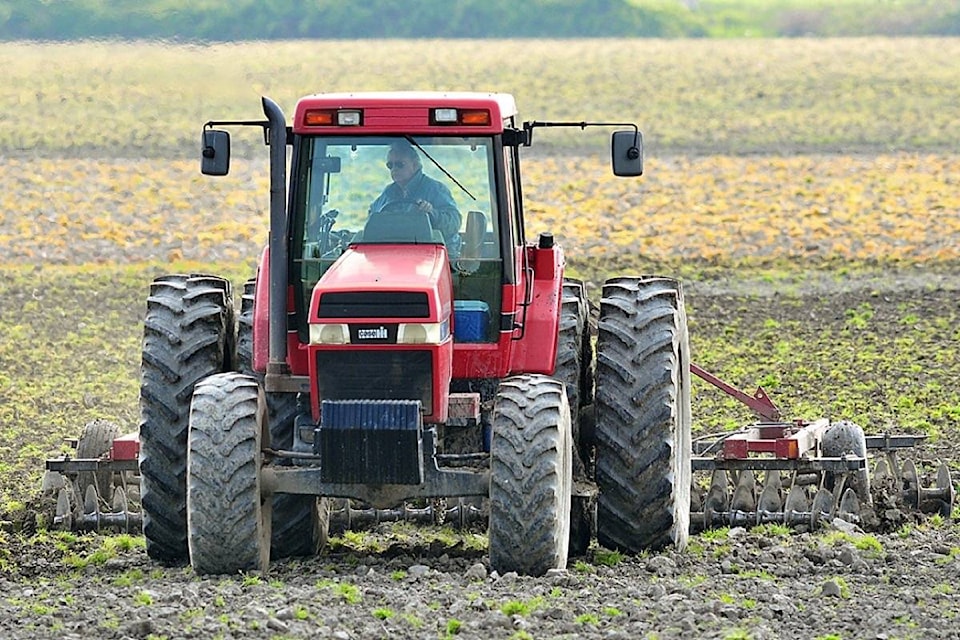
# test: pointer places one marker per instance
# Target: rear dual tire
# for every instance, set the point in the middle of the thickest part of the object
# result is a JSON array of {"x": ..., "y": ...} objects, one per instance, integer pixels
[
  {"x": 643, "y": 415},
  {"x": 188, "y": 335}
]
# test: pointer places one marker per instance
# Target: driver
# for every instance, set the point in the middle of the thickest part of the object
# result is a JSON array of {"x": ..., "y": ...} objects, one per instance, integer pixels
[{"x": 410, "y": 185}]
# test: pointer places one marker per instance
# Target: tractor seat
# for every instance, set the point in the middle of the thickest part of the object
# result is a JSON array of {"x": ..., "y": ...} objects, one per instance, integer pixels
[{"x": 474, "y": 234}]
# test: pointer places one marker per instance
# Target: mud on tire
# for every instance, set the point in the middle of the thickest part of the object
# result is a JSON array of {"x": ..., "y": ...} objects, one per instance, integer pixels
[
  {"x": 187, "y": 336},
  {"x": 228, "y": 523},
  {"x": 643, "y": 415},
  {"x": 530, "y": 464}
]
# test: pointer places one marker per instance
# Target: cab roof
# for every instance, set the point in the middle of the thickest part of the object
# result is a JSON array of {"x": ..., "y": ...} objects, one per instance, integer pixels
[{"x": 405, "y": 111}]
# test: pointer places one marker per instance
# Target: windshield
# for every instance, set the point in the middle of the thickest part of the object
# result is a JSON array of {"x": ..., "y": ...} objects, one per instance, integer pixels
[{"x": 430, "y": 183}]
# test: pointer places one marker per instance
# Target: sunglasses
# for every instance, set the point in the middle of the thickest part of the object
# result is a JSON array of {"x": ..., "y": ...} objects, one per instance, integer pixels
[{"x": 396, "y": 164}]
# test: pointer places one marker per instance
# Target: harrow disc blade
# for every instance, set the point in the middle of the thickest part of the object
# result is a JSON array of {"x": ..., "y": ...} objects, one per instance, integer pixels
[
  {"x": 745, "y": 494},
  {"x": 911, "y": 484},
  {"x": 882, "y": 472},
  {"x": 945, "y": 485},
  {"x": 849, "y": 506},
  {"x": 64, "y": 513},
  {"x": 91, "y": 502},
  {"x": 771, "y": 497},
  {"x": 823, "y": 504},
  {"x": 796, "y": 508}
]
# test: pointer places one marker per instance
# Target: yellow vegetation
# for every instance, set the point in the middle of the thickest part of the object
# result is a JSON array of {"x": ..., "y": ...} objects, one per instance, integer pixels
[{"x": 901, "y": 208}]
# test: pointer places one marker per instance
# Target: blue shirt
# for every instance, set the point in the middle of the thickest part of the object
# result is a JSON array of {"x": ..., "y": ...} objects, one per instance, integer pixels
[{"x": 445, "y": 216}]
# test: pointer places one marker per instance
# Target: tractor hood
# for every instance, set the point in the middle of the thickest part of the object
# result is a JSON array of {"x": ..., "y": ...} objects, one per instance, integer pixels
[{"x": 374, "y": 282}]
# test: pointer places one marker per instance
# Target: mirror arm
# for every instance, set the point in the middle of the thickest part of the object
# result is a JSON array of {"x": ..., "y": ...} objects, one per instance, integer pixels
[{"x": 634, "y": 152}]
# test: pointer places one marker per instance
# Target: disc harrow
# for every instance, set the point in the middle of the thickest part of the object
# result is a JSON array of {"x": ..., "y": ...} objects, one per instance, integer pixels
[
  {"x": 96, "y": 493},
  {"x": 800, "y": 487}
]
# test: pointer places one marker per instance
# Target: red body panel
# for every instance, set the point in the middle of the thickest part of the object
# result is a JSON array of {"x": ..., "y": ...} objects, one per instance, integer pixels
[
  {"x": 406, "y": 111},
  {"x": 382, "y": 268},
  {"x": 536, "y": 352},
  {"x": 389, "y": 267}
]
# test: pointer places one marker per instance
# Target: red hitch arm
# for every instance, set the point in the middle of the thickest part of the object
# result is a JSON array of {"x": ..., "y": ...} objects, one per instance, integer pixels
[{"x": 760, "y": 403}]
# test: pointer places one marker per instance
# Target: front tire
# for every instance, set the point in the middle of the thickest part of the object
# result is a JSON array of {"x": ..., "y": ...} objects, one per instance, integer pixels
[
  {"x": 300, "y": 522},
  {"x": 228, "y": 521},
  {"x": 531, "y": 469},
  {"x": 643, "y": 415}
]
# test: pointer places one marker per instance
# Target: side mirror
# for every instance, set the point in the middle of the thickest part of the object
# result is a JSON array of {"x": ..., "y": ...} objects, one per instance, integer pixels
[
  {"x": 215, "y": 152},
  {"x": 627, "y": 153}
]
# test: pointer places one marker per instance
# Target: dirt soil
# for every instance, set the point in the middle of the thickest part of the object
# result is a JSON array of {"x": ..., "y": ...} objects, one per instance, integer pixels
[{"x": 401, "y": 581}]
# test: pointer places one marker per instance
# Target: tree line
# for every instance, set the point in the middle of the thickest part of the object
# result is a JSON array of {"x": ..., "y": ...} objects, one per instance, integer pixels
[{"x": 226, "y": 20}]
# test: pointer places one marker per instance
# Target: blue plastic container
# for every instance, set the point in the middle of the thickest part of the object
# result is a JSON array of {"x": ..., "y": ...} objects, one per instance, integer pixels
[{"x": 471, "y": 318}]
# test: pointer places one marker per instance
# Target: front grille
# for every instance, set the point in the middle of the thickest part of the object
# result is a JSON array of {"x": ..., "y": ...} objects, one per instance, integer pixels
[
  {"x": 380, "y": 304},
  {"x": 376, "y": 375}
]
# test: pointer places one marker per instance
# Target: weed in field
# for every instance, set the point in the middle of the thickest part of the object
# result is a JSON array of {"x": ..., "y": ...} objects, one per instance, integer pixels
[
  {"x": 521, "y": 607},
  {"x": 129, "y": 578},
  {"x": 412, "y": 620},
  {"x": 251, "y": 580},
  {"x": 713, "y": 535},
  {"x": 453, "y": 626},
  {"x": 358, "y": 541},
  {"x": 607, "y": 557},
  {"x": 772, "y": 530},
  {"x": 866, "y": 543},
  {"x": 348, "y": 592},
  {"x": 581, "y": 566}
]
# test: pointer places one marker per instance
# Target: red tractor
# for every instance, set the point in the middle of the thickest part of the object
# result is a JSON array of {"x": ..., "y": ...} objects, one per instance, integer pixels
[{"x": 386, "y": 355}]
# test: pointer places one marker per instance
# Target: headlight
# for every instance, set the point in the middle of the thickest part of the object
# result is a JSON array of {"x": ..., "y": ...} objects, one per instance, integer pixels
[
  {"x": 434, "y": 333},
  {"x": 329, "y": 334}
]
